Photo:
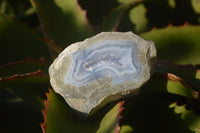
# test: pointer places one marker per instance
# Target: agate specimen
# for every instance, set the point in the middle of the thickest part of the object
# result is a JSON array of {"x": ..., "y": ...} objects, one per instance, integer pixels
[{"x": 103, "y": 68}]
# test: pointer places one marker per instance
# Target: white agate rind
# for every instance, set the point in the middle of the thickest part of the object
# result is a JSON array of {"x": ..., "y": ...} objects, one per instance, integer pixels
[{"x": 102, "y": 68}]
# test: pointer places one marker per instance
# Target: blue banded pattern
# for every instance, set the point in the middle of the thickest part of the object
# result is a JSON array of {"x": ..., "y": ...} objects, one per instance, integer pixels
[{"x": 108, "y": 58}]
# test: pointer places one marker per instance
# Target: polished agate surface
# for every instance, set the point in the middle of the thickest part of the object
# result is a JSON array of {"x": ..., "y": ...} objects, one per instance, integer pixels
[
  {"x": 103, "y": 68},
  {"x": 108, "y": 58}
]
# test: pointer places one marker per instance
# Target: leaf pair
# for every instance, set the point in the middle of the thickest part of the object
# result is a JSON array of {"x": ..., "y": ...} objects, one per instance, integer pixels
[{"x": 59, "y": 117}]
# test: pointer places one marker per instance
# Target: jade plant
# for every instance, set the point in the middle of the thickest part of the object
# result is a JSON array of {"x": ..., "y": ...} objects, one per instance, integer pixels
[{"x": 33, "y": 33}]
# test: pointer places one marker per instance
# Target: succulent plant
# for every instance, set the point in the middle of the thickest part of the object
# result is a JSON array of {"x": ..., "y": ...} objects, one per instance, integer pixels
[{"x": 33, "y": 33}]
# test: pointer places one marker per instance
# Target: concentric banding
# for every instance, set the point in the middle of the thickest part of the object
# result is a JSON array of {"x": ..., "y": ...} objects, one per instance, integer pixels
[
  {"x": 109, "y": 58},
  {"x": 103, "y": 68}
]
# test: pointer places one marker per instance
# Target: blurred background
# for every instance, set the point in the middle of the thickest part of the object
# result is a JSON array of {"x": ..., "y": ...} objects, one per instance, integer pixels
[
  {"x": 32, "y": 28},
  {"x": 172, "y": 24}
]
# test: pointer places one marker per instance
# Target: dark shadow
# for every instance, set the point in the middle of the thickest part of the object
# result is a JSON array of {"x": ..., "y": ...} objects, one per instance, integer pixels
[
  {"x": 174, "y": 48},
  {"x": 97, "y": 10},
  {"x": 18, "y": 42},
  {"x": 149, "y": 111},
  {"x": 183, "y": 13},
  {"x": 126, "y": 24},
  {"x": 160, "y": 14},
  {"x": 17, "y": 116}
]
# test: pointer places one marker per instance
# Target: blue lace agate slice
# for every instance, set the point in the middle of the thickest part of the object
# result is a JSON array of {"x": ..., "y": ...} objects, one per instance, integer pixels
[{"x": 108, "y": 58}]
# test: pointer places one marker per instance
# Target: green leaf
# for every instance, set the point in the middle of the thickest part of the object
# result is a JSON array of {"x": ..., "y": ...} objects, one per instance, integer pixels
[
  {"x": 138, "y": 18},
  {"x": 177, "y": 44},
  {"x": 149, "y": 112},
  {"x": 13, "y": 8},
  {"x": 110, "y": 122},
  {"x": 26, "y": 101},
  {"x": 116, "y": 16},
  {"x": 188, "y": 116},
  {"x": 61, "y": 21},
  {"x": 30, "y": 87},
  {"x": 187, "y": 72},
  {"x": 177, "y": 86},
  {"x": 126, "y": 1},
  {"x": 198, "y": 74},
  {"x": 19, "y": 41},
  {"x": 60, "y": 118},
  {"x": 34, "y": 78},
  {"x": 170, "y": 83},
  {"x": 196, "y": 6},
  {"x": 22, "y": 67},
  {"x": 126, "y": 129},
  {"x": 113, "y": 20},
  {"x": 55, "y": 47}
]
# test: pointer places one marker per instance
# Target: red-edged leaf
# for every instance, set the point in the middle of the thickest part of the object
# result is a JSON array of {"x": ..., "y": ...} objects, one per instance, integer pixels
[
  {"x": 54, "y": 48},
  {"x": 167, "y": 82},
  {"x": 22, "y": 67},
  {"x": 61, "y": 21},
  {"x": 19, "y": 41},
  {"x": 151, "y": 106},
  {"x": 30, "y": 87},
  {"x": 59, "y": 117},
  {"x": 52, "y": 45},
  {"x": 188, "y": 72},
  {"x": 37, "y": 77},
  {"x": 44, "y": 113},
  {"x": 110, "y": 122}
]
